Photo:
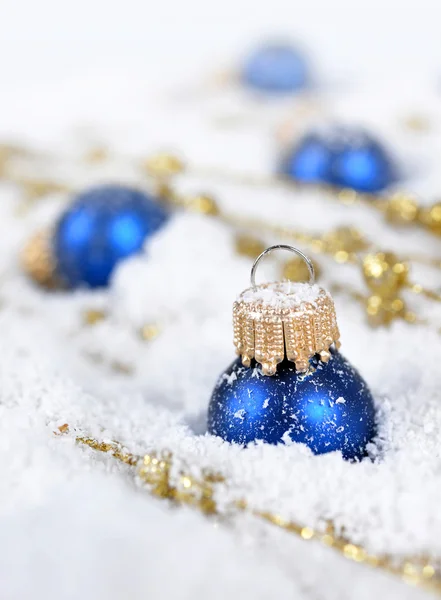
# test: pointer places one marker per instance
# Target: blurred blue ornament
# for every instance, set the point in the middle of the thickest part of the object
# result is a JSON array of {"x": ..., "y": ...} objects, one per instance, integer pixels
[
  {"x": 328, "y": 409},
  {"x": 103, "y": 226},
  {"x": 341, "y": 157},
  {"x": 364, "y": 166},
  {"x": 275, "y": 68},
  {"x": 310, "y": 161}
]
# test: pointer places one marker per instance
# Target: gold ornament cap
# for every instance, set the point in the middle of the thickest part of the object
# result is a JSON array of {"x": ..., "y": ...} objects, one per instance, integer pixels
[
  {"x": 37, "y": 259},
  {"x": 274, "y": 321}
]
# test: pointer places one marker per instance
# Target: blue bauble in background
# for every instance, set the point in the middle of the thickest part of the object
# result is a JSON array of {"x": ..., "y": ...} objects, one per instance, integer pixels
[
  {"x": 364, "y": 166},
  {"x": 342, "y": 157},
  {"x": 275, "y": 68},
  {"x": 328, "y": 409},
  {"x": 310, "y": 161},
  {"x": 103, "y": 226}
]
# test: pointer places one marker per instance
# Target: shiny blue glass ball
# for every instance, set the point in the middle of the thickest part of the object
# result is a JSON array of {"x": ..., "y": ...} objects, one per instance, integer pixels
[
  {"x": 342, "y": 157},
  {"x": 275, "y": 68},
  {"x": 103, "y": 226},
  {"x": 328, "y": 409}
]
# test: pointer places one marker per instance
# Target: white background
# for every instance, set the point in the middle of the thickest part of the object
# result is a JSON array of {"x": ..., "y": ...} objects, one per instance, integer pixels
[{"x": 49, "y": 39}]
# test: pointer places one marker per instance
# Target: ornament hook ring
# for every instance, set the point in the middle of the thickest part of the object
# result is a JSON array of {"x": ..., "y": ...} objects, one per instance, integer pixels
[{"x": 282, "y": 247}]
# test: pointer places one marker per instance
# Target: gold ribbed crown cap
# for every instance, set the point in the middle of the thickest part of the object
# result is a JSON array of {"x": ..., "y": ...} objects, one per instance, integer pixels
[{"x": 274, "y": 321}]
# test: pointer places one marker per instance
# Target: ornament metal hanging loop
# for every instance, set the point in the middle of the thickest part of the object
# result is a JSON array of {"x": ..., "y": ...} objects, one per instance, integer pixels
[{"x": 282, "y": 247}]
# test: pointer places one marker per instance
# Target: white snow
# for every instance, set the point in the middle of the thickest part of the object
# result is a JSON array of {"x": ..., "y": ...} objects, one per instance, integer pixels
[
  {"x": 285, "y": 294},
  {"x": 73, "y": 523}
]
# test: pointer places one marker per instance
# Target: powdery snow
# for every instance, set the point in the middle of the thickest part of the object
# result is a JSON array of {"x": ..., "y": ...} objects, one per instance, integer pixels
[{"x": 74, "y": 521}]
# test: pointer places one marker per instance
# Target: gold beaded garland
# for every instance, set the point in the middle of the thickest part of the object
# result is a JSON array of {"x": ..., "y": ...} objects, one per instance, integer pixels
[
  {"x": 155, "y": 471},
  {"x": 343, "y": 244}
]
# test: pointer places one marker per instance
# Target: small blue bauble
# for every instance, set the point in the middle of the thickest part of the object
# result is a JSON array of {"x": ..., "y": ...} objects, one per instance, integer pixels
[
  {"x": 276, "y": 68},
  {"x": 328, "y": 409},
  {"x": 364, "y": 167},
  {"x": 310, "y": 161},
  {"x": 340, "y": 157},
  {"x": 103, "y": 226}
]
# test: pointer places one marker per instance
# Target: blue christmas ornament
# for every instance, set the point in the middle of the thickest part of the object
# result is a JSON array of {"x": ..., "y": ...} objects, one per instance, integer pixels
[
  {"x": 310, "y": 161},
  {"x": 328, "y": 408},
  {"x": 276, "y": 68},
  {"x": 291, "y": 382},
  {"x": 343, "y": 158},
  {"x": 102, "y": 227},
  {"x": 363, "y": 166}
]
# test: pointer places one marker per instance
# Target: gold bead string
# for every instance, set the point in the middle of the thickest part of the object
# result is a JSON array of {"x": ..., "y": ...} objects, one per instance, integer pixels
[
  {"x": 343, "y": 244},
  {"x": 385, "y": 275},
  {"x": 399, "y": 208},
  {"x": 385, "y": 278},
  {"x": 155, "y": 472}
]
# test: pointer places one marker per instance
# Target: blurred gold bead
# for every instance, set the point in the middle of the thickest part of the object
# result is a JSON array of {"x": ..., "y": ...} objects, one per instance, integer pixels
[
  {"x": 164, "y": 165},
  {"x": 8, "y": 152},
  {"x": 356, "y": 553},
  {"x": 410, "y": 317},
  {"x": 163, "y": 190},
  {"x": 347, "y": 196},
  {"x": 401, "y": 209},
  {"x": 295, "y": 269},
  {"x": 316, "y": 245},
  {"x": 149, "y": 332},
  {"x": 409, "y": 569},
  {"x": 384, "y": 274},
  {"x": 37, "y": 259},
  {"x": 397, "y": 306},
  {"x": 96, "y": 155},
  {"x": 428, "y": 571},
  {"x": 5, "y": 156},
  {"x": 341, "y": 256},
  {"x": 186, "y": 481},
  {"x": 417, "y": 123},
  {"x": 382, "y": 311},
  {"x": 307, "y": 533},
  {"x": 204, "y": 205},
  {"x": 431, "y": 217},
  {"x": 417, "y": 288},
  {"x": 328, "y": 539},
  {"x": 93, "y": 316},
  {"x": 247, "y": 245},
  {"x": 33, "y": 189},
  {"x": 345, "y": 239}
]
